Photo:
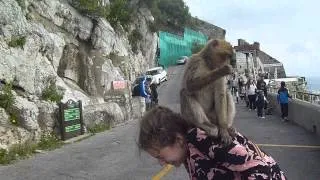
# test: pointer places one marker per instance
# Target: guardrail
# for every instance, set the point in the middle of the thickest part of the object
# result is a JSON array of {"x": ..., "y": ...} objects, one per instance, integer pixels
[{"x": 304, "y": 96}]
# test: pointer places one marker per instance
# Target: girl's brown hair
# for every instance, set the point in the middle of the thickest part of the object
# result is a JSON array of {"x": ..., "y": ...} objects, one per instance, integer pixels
[{"x": 159, "y": 128}]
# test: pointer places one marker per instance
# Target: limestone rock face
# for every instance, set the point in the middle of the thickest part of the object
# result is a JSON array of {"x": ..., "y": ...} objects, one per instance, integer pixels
[
  {"x": 107, "y": 113},
  {"x": 28, "y": 113},
  {"x": 63, "y": 15},
  {"x": 48, "y": 115},
  {"x": 10, "y": 135},
  {"x": 51, "y": 41}
]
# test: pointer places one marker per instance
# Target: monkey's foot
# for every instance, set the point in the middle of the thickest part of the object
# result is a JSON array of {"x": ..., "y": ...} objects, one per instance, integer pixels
[
  {"x": 225, "y": 137},
  {"x": 212, "y": 131},
  {"x": 232, "y": 131}
]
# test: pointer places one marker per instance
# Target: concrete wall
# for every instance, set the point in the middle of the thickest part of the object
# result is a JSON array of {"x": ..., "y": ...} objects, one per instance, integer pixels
[{"x": 304, "y": 114}]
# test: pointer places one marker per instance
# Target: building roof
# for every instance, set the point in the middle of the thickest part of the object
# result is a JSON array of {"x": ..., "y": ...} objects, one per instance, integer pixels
[{"x": 266, "y": 59}]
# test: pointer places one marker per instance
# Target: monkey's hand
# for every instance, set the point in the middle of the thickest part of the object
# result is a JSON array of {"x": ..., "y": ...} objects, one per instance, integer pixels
[{"x": 225, "y": 70}]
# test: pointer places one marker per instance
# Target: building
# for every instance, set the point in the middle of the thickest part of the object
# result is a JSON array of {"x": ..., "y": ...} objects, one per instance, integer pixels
[{"x": 253, "y": 62}]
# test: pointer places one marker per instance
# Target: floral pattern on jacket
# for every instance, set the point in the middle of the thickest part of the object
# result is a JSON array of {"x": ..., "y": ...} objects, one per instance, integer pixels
[{"x": 241, "y": 160}]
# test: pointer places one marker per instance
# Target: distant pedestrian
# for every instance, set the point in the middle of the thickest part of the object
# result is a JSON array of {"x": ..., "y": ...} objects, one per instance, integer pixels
[
  {"x": 154, "y": 94},
  {"x": 144, "y": 94},
  {"x": 260, "y": 103},
  {"x": 234, "y": 85},
  {"x": 251, "y": 93},
  {"x": 283, "y": 100}
]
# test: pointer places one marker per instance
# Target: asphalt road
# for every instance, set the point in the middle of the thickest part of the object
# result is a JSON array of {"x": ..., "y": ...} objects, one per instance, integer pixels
[{"x": 113, "y": 155}]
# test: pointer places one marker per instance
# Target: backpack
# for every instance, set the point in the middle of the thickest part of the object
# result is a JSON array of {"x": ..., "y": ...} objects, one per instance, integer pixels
[{"x": 136, "y": 90}]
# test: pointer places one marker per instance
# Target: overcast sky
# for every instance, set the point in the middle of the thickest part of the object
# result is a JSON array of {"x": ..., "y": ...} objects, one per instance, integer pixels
[{"x": 287, "y": 30}]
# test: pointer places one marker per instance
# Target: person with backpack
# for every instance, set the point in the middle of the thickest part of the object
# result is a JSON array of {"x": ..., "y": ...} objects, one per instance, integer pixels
[
  {"x": 154, "y": 94},
  {"x": 283, "y": 100},
  {"x": 260, "y": 103}
]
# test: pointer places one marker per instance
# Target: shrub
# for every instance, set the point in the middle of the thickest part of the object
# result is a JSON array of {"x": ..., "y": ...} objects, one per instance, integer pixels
[
  {"x": 51, "y": 93},
  {"x": 49, "y": 142},
  {"x": 15, "y": 42},
  {"x": 24, "y": 150},
  {"x": 99, "y": 128},
  {"x": 134, "y": 38},
  {"x": 91, "y": 7},
  {"x": 196, "y": 47},
  {"x": 22, "y": 4},
  {"x": 119, "y": 12},
  {"x": 6, "y": 97},
  {"x": 169, "y": 15}
]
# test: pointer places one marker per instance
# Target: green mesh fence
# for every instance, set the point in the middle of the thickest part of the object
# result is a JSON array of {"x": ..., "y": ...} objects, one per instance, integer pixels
[{"x": 173, "y": 46}]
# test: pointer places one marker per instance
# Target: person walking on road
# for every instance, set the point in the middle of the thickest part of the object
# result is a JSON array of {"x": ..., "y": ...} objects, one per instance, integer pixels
[
  {"x": 154, "y": 94},
  {"x": 166, "y": 136},
  {"x": 283, "y": 100},
  {"x": 260, "y": 103},
  {"x": 251, "y": 92},
  {"x": 144, "y": 94}
]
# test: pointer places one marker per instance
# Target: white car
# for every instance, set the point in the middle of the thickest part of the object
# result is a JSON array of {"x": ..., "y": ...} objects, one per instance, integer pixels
[
  {"x": 158, "y": 73},
  {"x": 182, "y": 60}
]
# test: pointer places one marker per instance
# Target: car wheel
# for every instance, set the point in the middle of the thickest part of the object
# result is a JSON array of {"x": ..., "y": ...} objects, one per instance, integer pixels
[{"x": 159, "y": 81}]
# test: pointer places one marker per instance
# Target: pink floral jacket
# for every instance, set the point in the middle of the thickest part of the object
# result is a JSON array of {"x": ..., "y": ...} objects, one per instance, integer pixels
[{"x": 241, "y": 160}]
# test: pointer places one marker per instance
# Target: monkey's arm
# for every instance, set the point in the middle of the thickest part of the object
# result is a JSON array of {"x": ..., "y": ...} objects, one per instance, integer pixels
[
  {"x": 193, "y": 112},
  {"x": 196, "y": 83}
]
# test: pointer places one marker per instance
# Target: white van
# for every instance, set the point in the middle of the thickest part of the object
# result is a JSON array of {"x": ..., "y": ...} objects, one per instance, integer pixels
[{"x": 158, "y": 73}]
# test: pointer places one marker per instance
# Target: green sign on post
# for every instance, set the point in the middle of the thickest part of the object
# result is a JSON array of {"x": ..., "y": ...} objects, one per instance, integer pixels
[{"x": 71, "y": 119}]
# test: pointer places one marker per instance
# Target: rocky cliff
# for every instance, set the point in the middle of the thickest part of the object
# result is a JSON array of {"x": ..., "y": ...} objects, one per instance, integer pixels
[{"x": 48, "y": 45}]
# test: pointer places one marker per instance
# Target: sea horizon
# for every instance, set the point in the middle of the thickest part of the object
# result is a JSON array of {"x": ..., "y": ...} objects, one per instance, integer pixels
[{"x": 313, "y": 83}]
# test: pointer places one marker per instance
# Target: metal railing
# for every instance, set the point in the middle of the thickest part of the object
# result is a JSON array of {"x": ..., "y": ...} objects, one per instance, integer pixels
[{"x": 304, "y": 96}]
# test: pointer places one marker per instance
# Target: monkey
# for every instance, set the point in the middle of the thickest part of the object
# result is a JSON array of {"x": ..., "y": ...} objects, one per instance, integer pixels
[{"x": 204, "y": 99}]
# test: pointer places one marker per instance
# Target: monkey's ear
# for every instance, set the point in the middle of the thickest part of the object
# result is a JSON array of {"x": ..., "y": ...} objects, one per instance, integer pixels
[{"x": 215, "y": 43}]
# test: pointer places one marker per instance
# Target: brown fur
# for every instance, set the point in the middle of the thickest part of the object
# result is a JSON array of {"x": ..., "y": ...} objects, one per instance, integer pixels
[{"x": 204, "y": 98}]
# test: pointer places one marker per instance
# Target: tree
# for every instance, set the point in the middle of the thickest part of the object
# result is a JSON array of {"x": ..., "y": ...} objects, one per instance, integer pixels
[{"x": 196, "y": 47}]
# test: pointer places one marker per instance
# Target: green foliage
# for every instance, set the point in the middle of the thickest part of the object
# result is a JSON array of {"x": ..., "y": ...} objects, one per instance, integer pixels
[
  {"x": 24, "y": 150},
  {"x": 16, "y": 152},
  {"x": 51, "y": 93},
  {"x": 99, "y": 128},
  {"x": 134, "y": 38},
  {"x": 152, "y": 27},
  {"x": 6, "y": 97},
  {"x": 15, "y": 42},
  {"x": 4, "y": 157},
  {"x": 14, "y": 119},
  {"x": 119, "y": 12},
  {"x": 49, "y": 142},
  {"x": 22, "y": 4},
  {"x": 91, "y": 7},
  {"x": 196, "y": 47},
  {"x": 170, "y": 15}
]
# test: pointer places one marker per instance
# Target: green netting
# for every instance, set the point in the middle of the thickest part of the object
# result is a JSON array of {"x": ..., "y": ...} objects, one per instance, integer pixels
[{"x": 173, "y": 46}]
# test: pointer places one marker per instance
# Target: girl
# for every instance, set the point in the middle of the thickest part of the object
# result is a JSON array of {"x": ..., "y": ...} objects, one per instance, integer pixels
[{"x": 165, "y": 135}]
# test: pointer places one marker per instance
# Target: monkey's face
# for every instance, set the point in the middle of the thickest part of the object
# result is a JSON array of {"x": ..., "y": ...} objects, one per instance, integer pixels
[{"x": 222, "y": 51}]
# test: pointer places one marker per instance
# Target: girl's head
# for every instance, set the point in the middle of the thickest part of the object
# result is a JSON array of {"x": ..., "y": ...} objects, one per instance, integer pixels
[{"x": 162, "y": 135}]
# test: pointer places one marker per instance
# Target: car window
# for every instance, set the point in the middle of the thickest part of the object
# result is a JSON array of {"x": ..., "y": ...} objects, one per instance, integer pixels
[{"x": 154, "y": 72}]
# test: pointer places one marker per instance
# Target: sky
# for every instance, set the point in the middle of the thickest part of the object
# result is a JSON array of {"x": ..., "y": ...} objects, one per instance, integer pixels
[{"x": 286, "y": 30}]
